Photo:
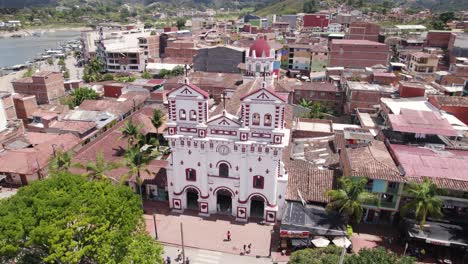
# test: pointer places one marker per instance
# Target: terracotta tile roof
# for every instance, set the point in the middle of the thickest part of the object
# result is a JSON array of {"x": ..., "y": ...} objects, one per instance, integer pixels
[
  {"x": 234, "y": 103},
  {"x": 113, "y": 146},
  {"x": 445, "y": 100},
  {"x": 143, "y": 118},
  {"x": 372, "y": 161},
  {"x": 27, "y": 161},
  {"x": 311, "y": 182}
]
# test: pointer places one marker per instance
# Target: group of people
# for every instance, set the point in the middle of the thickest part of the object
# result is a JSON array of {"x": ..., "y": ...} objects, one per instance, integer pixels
[
  {"x": 179, "y": 259},
  {"x": 247, "y": 248}
]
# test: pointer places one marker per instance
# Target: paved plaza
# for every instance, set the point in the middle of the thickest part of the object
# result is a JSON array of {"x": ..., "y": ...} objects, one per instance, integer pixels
[{"x": 207, "y": 233}]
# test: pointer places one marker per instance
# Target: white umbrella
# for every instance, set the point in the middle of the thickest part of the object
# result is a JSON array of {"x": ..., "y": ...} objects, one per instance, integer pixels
[
  {"x": 320, "y": 242},
  {"x": 342, "y": 242}
]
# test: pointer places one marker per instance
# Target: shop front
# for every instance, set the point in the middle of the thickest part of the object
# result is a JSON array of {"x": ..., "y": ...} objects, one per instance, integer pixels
[{"x": 302, "y": 224}]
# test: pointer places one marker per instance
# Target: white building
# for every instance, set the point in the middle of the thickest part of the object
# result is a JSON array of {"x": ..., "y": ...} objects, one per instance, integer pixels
[
  {"x": 229, "y": 161},
  {"x": 334, "y": 27},
  {"x": 259, "y": 60}
]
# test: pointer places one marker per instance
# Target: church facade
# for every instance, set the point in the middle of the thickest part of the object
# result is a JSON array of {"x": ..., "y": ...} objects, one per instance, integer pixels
[{"x": 227, "y": 163}]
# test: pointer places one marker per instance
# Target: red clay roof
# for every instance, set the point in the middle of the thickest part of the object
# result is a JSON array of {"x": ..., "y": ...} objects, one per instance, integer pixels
[
  {"x": 261, "y": 47},
  {"x": 372, "y": 161},
  {"x": 157, "y": 81},
  {"x": 447, "y": 168},
  {"x": 423, "y": 122},
  {"x": 356, "y": 42}
]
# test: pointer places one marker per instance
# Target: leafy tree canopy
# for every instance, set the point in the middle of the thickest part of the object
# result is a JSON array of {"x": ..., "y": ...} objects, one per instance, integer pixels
[
  {"x": 78, "y": 95},
  {"x": 331, "y": 255},
  {"x": 68, "y": 219}
]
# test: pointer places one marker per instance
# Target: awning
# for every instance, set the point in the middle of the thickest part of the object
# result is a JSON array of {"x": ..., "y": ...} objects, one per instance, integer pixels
[
  {"x": 342, "y": 242},
  {"x": 320, "y": 242},
  {"x": 439, "y": 233}
]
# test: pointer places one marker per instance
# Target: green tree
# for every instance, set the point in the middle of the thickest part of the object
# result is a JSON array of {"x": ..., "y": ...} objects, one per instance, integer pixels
[
  {"x": 108, "y": 77},
  {"x": 328, "y": 255},
  {"x": 31, "y": 70},
  {"x": 447, "y": 17},
  {"x": 61, "y": 62},
  {"x": 350, "y": 197},
  {"x": 438, "y": 25},
  {"x": 131, "y": 132},
  {"x": 146, "y": 75},
  {"x": 309, "y": 6},
  {"x": 305, "y": 103},
  {"x": 92, "y": 71},
  {"x": 157, "y": 119},
  {"x": 50, "y": 61},
  {"x": 136, "y": 162},
  {"x": 78, "y": 95},
  {"x": 68, "y": 219},
  {"x": 61, "y": 161},
  {"x": 424, "y": 201},
  {"x": 180, "y": 23},
  {"x": 377, "y": 255},
  {"x": 98, "y": 169}
]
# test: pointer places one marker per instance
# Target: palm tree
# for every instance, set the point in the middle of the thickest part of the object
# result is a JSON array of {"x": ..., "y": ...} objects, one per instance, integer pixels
[
  {"x": 424, "y": 201},
  {"x": 61, "y": 161},
  {"x": 131, "y": 132},
  {"x": 348, "y": 200},
  {"x": 305, "y": 103},
  {"x": 98, "y": 170},
  {"x": 136, "y": 162},
  {"x": 157, "y": 120}
]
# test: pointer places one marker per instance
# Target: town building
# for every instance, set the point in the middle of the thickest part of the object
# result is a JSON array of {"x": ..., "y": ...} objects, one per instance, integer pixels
[
  {"x": 363, "y": 30},
  {"x": 239, "y": 146},
  {"x": 350, "y": 53},
  {"x": 223, "y": 59},
  {"x": 423, "y": 62},
  {"x": 261, "y": 61},
  {"x": 306, "y": 58},
  {"x": 47, "y": 86},
  {"x": 315, "y": 22},
  {"x": 365, "y": 95}
]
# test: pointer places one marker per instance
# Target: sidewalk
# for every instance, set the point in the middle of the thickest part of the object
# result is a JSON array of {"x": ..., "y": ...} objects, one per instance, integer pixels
[{"x": 207, "y": 233}]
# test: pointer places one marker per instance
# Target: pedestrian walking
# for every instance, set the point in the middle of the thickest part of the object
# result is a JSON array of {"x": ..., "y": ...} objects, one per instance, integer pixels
[
  {"x": 244, "y": 248},
  {"x": 168, "y": 260},
  {"x": 187, "y": 261},
  {"x": 228, "y": 235},
  {"x": 249, "y": 247}
]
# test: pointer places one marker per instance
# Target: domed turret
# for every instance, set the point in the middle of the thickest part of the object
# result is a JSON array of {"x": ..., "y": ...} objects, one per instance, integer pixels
[{"x": 261, "y": 48}]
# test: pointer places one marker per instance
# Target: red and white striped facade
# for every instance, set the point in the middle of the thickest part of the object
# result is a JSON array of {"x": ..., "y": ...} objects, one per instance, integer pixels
[{"x": 239, "y": 156}]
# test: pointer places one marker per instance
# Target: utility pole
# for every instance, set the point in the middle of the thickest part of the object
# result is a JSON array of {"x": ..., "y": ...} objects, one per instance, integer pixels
[
  {"x": 155, "y": 228},
  {"x": 342, "y": 254},
  {"x": 182, "y": 239}
]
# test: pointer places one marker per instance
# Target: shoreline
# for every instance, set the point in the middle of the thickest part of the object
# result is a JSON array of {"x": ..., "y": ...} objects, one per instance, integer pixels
[{"x": 30, "y": 31}]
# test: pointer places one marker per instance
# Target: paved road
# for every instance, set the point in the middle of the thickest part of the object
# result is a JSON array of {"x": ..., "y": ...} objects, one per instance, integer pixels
[{"x": 200, "y": 256}]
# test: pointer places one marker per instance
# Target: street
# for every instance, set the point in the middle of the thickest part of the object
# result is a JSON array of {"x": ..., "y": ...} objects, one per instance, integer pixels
[{"x": 200, "y": 256}]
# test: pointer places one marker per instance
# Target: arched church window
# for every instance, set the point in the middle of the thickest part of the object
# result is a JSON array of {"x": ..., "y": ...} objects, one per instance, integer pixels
[
  {"x": 193, "y": 115},
  {"x": 223, "y": 170},
  {"x": 258, "y": 182},
  {"x": 267, "y": 120},
  {"x": 256, "y": 119},
  {"x": 182, "y": 114},
  {"x": 258, "y": 67}
]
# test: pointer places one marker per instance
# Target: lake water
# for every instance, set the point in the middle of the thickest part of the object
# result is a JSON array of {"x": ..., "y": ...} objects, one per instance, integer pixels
[{"x": 15, "y": 51}]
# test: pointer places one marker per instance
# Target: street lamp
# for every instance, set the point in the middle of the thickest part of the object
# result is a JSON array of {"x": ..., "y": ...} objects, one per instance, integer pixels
[{"x": 272, "y": 231}]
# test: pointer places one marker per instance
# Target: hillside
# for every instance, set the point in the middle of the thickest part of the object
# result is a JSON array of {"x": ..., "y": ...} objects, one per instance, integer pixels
[
  {"x": 282, "y": 7},
  {"x": 170, "y": 3}
]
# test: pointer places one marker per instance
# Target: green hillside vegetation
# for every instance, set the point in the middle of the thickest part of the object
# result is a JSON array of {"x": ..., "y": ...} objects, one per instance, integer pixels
[{"x": 283, "y": 7}]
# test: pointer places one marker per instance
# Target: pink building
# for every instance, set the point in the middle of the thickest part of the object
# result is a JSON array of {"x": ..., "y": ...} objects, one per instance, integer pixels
[
  {"x": 311, "y": 21},
  {"x": 363, "y": 30},
  {"x": 47, "y": 86}
]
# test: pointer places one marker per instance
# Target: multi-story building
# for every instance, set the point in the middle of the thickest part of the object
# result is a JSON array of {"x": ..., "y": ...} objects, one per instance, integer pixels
[
  {"x": 423, "y": 62},
  {"x": 365, "y": 95},
  {"x": 47, "y": 86},
  {"x": 363, "y": 30},
  {"x": 3, "y": 117},
  {"x": 224, "y": 59},
  {"x": 238, "y": 169},
  {"x": 315, "y": 22},
  {"x": 307, "y": 57},
  {"x": 354, "y": 53},
  {"x": 127, "y": 51}
]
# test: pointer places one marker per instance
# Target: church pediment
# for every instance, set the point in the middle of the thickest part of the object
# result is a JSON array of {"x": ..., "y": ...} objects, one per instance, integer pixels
[
  {"x": 224, "y": 120},
  {"x": 264, "y": 95},
  {"x": 188, "y": 90}
]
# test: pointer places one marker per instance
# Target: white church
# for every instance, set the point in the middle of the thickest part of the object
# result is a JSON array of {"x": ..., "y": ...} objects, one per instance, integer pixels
[{"x": 229, "y": 160}]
